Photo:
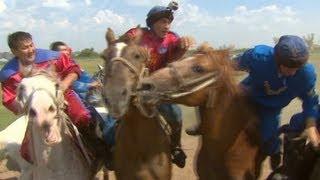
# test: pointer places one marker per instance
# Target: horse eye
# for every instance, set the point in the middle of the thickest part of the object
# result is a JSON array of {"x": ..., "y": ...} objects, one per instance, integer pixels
[
  {"x": 51, "y": 109},
  {"x": 32, "y": 113},
  {"x": 137, "y": 56},
  {"x": 197, "y": 69}
]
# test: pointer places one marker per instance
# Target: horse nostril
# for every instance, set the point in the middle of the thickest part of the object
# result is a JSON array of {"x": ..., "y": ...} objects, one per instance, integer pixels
[
  {"x": 106, "y": 101},
  {"x": 146, "y": 87},
  {"x": 124, "y": 92},
  {"x": 46, "y": 125}
]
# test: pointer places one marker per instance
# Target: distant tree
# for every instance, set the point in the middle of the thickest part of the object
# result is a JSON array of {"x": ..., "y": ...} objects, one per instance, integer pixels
[
  {"x": 6, "y": 55},
  {"x": 275, "y": 39},
  {"x": 87, "y": 52},
  {"x": 230, "y": 47},
  {"x": 309, "y": 39}
]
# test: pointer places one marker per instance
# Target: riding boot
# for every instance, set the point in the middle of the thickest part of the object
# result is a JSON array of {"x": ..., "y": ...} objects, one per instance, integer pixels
[
  {"x": 107, "y": 126},
  {"x": 172, "y": 114},
  {"x": 178, "y": 155},
  {"x": 275, "y": 160}
]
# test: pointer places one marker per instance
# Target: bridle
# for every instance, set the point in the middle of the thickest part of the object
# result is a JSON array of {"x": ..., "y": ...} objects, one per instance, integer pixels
[
  {"x": 61, "y": 117},
  {"x": 187, "y": 87},
  {"x": 139, "y": 75}
]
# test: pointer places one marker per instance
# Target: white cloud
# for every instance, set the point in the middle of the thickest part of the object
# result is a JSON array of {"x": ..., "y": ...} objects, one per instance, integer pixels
[
  {"x": 267, "y": 15},
  {"x": 56, "y": 3},
  {"x": 148, "y": 3},
  {"x": 88, "y": 2},
  {"x": 64, "y": 23},
  {"x": 254, "y": 25},
  {"x": 3, "y": 6},
  {"x": 108, "y": 16}
]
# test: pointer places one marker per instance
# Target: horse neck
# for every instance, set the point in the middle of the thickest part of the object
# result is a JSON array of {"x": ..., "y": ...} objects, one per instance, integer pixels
[
  {"x": 222, "y": 119},
  {"x": 145, "y": 131}
]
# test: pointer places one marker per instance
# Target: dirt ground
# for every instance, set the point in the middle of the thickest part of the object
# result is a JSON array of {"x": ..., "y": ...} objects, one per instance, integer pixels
[{"x": 189, "y": 145}]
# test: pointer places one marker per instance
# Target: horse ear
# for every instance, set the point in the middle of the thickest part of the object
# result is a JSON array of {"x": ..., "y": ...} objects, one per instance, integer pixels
[
  {"x": 20, "y": 92},
  {"x": 139, "y": 33},
  {"x": 51, "y": 71},
  {"x": 110, "y": 37},
  {"x": 136, "y": 39}
]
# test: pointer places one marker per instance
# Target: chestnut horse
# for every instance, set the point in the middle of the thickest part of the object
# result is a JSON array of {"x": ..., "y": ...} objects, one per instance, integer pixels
[
  {"x": 230, "y": 139},
  {"x": 142, "y": 149}
]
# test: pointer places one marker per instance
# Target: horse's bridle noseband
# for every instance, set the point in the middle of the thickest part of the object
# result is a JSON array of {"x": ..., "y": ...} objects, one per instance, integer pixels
[{"x": 183, "y": 85}]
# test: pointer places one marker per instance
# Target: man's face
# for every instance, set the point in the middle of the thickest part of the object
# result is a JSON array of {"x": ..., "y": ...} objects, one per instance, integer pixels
[
  {"x": 64, "y": 49},
  {"x": 25, "y": 52},
  {"x": 287, "y": 71},
  {"x": 161, "y": 27}
]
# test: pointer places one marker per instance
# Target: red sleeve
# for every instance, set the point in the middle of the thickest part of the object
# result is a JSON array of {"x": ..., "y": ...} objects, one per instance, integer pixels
[
  {"x": 175, "y": 52},
  {"x": 9, "y": 94},
  {"x": 65, "y": 65}
]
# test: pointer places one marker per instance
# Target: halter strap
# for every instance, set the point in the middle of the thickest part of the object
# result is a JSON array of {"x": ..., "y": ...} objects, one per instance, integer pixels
[
  {"x": 203, "y": 82},
  {"x": 139, "y": 75},
  {"x": 124, "y": 61}
]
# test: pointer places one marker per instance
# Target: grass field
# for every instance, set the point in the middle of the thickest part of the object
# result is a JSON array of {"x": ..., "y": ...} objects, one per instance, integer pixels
[{"x": 90, "y": 65}]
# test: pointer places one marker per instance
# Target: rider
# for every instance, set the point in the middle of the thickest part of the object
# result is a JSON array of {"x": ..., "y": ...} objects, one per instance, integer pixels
[
  {"x": 82, "y": 87},
  {"x": 28, "y": 57},
  {"x": 165, "y": 46},
  {"x": 277, "y": 76},
  {"x": 85, "y": 81}
]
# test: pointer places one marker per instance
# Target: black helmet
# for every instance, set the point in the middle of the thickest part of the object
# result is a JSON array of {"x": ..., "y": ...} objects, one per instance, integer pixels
[
  {"x": 158, "y": 12},
  {"x": 291, "y": 51}
]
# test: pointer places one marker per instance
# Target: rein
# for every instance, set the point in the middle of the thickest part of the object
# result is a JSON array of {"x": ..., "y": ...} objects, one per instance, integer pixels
[{"x": 201, "y": 82}]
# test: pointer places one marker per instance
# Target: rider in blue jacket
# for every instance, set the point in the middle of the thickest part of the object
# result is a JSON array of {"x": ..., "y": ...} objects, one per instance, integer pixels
[{"x": 277, "y": 76}]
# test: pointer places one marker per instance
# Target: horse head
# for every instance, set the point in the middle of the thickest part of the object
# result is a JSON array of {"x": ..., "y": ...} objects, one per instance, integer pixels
[
  {"x": 43, "y": 103},
  {"x": 46, "y": 79},
  {"x": 43, "y": 110},
  {"x": 191, "y": 77},
  {"x": 125, "y": 62}
]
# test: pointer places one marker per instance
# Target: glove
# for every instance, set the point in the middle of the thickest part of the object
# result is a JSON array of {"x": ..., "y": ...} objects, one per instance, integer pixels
[{"x": 311, "y": 132}]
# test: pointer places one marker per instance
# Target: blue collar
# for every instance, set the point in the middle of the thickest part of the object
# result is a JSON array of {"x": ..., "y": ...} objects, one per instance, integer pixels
[{"x": 12, "y": 66}]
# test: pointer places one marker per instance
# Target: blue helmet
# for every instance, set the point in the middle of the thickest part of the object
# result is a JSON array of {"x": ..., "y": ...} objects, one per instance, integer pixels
[
  {"x": 158, "y": 12},
  {"x": 291, "y": 51}
]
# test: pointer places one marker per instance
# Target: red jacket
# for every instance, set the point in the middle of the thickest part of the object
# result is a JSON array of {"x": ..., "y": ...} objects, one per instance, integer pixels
[
  {"x": 10, "y": 76},
  {"x": 162, "y": 50}
]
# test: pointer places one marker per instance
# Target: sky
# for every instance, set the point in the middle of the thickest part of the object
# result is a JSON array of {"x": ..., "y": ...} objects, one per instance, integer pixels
[{"x": 82, "y": 23}]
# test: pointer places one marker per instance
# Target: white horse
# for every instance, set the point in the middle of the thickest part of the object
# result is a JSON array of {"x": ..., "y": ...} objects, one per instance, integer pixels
[
  {"x": 12, "y": 136},
  {"x": 52, "y": 146}
]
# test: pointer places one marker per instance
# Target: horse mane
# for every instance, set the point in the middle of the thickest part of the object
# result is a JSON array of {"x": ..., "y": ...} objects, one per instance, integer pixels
[{"x": 226, "y": 67}]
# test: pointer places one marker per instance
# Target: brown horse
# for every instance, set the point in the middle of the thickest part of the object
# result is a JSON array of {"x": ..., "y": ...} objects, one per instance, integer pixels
[
  {"x": 228, "y": 126},
  {"x": 142, "y": 149}
]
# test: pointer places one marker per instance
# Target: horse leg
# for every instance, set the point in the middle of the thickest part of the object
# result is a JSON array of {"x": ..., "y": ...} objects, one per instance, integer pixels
[
  {"x": 105, "y": 173},
  {"x": 260, "y": 157}
]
